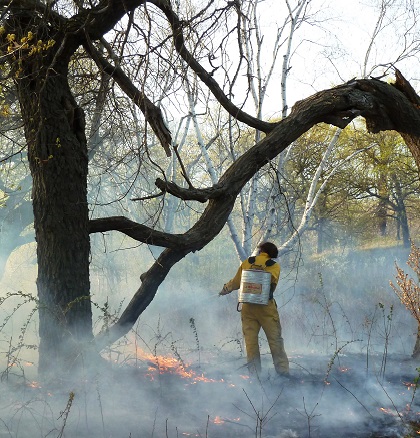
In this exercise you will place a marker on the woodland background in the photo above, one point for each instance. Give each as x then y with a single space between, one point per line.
341 204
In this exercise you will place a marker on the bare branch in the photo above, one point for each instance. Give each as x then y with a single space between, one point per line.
183 170
190 194
151 112
136 231
205 77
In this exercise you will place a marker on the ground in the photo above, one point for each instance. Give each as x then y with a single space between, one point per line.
340 396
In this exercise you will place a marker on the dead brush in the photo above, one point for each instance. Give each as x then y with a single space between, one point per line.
408 291
335 356
237 342
178 357
261 417
16 348
197 341
65 414
387 324
162 342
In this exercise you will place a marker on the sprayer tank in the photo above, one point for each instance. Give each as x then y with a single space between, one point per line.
255 287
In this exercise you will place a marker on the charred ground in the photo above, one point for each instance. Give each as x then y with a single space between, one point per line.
347 395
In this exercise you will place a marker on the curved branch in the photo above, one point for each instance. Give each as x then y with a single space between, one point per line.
206 78
151 112
136 231
93 23
100 19
190 194
382 105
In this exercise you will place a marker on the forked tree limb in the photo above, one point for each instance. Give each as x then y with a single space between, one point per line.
384 107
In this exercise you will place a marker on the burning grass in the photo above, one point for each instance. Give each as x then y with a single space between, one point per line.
172 395
160 364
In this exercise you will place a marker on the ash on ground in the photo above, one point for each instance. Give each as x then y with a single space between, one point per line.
340 396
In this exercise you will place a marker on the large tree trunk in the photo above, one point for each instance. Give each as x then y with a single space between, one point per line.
57 150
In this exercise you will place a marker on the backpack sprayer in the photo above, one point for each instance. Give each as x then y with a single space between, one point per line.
255 287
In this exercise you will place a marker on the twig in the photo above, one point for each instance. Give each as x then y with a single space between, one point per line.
309 416
183 171
358 401
390 399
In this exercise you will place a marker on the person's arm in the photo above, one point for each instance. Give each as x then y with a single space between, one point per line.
233 284
275 275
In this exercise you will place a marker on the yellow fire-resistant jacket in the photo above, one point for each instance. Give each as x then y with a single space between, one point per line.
258 263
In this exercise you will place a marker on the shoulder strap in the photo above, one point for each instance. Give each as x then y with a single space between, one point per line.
268 263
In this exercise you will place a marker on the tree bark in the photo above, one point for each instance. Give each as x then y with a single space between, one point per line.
402 214
403 221
57 152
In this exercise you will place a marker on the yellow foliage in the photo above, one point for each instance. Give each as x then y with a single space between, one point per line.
40 46
26 43
27 38
5 110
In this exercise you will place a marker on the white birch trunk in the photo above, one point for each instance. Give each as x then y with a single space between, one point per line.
294 17
314 193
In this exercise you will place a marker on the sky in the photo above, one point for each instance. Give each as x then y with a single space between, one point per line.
332 50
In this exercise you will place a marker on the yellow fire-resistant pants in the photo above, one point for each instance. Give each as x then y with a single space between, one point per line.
255 316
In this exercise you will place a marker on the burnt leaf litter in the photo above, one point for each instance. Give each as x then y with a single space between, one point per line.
353 397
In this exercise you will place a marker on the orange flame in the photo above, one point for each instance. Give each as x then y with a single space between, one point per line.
388 411
410 385
159 364
220 420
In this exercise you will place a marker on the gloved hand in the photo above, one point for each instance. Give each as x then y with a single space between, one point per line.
224 291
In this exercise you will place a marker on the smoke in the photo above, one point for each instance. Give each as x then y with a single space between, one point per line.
348 339
126 400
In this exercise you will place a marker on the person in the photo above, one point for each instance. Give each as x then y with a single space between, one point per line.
255 316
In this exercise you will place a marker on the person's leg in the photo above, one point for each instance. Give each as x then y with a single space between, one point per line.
270 322
250 330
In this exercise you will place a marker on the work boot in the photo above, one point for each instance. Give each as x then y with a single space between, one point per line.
254 367
285 378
